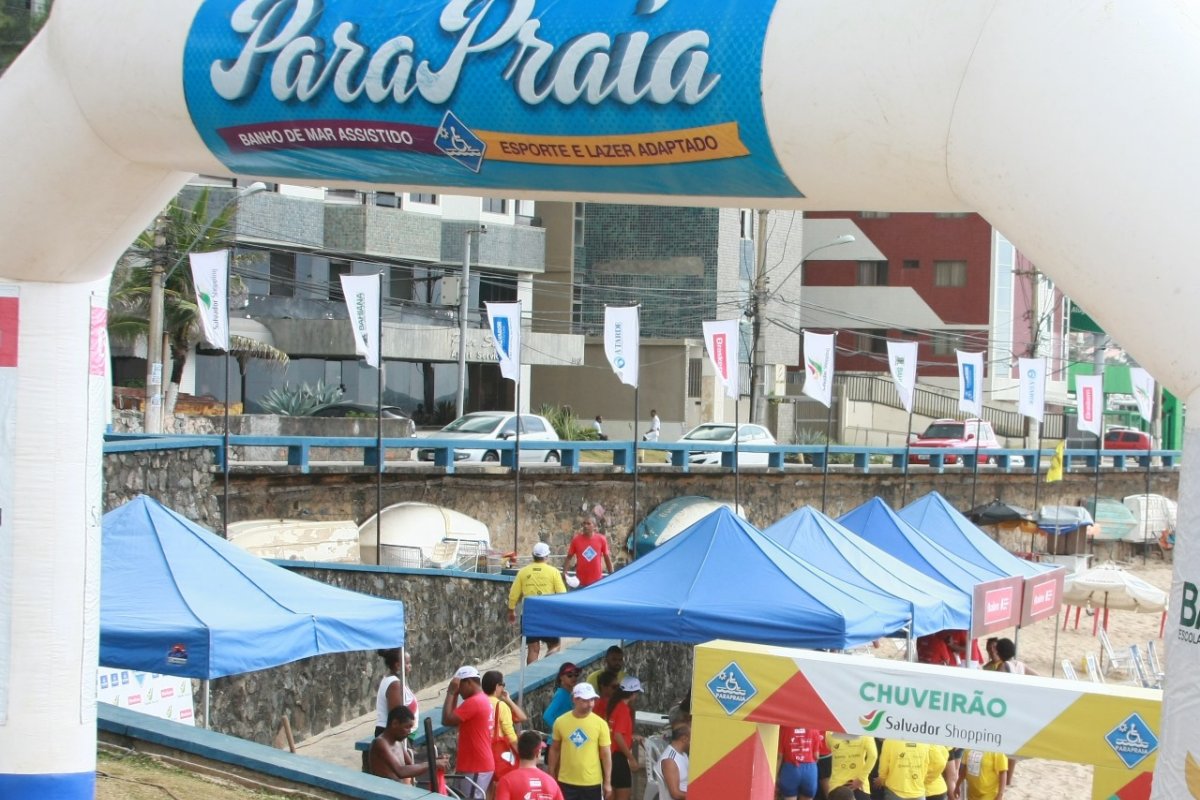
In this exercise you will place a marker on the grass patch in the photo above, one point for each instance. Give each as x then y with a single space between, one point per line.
133 776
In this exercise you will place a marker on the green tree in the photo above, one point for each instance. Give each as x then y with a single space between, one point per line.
179 231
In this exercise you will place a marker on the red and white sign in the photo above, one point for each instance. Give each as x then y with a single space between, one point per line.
996 605
1089 400
721 340
1043 596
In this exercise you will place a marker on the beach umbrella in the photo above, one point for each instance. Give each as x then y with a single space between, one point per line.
1110 587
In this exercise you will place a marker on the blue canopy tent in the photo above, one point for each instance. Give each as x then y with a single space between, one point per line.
934 517
876 522
720 579
179 600
814 537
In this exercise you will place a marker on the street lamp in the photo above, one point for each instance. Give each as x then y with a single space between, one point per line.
464 301
758 309
155 347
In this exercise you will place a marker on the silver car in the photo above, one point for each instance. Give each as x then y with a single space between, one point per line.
499 426
722 433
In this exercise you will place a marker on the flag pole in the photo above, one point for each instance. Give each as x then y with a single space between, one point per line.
1037 491
225 437
828 436
379 433
978 437
737 479
907 450
517 460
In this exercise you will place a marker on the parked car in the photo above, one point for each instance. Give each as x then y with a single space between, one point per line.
364 410
954 433
1126 439
500 426
722 433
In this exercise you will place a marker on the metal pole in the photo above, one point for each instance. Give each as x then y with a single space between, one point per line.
975 479
517 462
828 436
207 704
1037 492
1096 489
636 457
464 301
225 437
152 409
524 658
758 353
379 435
737 479
907 449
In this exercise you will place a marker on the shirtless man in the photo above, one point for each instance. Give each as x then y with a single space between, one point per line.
390 756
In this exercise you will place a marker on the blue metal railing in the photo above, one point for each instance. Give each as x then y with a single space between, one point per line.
299 450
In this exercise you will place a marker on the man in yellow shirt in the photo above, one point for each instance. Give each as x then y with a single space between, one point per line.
984 773
581 750
902 769
534 579
853 759
935 778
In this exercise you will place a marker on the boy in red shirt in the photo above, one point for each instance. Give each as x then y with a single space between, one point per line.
587 549
527 782
475 718
799 749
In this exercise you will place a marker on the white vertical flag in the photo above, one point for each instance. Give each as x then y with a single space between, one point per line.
1143 392
362 300
721 340
210 276
1089 402
1032 399
621 334
505 319
818 367
970 382
902 360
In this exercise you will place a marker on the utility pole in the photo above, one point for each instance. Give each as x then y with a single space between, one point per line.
464 302
152 409
758 352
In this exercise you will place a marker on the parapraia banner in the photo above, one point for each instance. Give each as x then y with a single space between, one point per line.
630 96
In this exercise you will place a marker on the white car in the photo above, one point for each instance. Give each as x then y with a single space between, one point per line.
497 425
722 433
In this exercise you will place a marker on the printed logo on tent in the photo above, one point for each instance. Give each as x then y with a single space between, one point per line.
1132 741
589 554
178 654
578 737
458 141
732 688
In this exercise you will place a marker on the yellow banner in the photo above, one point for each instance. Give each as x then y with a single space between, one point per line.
711 143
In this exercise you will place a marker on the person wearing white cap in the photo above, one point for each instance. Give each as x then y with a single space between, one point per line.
618 713
534 579
581 750
475 718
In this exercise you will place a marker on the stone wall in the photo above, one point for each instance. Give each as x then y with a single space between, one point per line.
182 480
450 621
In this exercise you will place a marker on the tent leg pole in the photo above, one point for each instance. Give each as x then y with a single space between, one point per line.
1054 658
207 704
524 658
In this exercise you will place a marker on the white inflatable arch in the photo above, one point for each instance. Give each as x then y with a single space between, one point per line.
1070 125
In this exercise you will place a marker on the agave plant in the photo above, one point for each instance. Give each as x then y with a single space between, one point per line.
302 401
568 426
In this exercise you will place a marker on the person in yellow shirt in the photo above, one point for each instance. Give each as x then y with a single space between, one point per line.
535 579
985 774
935 778
853 759
902 769
581 749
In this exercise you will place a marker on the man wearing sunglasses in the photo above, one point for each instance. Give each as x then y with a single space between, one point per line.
562 702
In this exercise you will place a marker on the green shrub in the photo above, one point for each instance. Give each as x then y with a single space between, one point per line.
302 401
569 427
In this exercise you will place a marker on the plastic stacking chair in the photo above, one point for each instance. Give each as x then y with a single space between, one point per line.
1121 662
1095 675
1155 665
445 554
1069 670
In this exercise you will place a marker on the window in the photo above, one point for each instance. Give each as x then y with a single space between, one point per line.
495 205
578 224
873 341
872 273
694 376
387 199
427 199
912 263
944 344
950 273
283 275
746 223
951 215
343 196
531 424
874 214
336 270
400 283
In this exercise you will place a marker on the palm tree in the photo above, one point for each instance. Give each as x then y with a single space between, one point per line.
180 231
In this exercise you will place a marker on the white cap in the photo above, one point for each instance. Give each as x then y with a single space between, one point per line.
630 684
584 691
541 550
466 673
572 581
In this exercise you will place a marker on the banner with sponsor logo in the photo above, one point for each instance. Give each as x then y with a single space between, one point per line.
10 327
970 383
362 293
210 277
721 339
633 96
996 605
505 320
818 366
1042 596
162 696
621 341
1031 399
902 361
1089 403
738 690
1143 392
